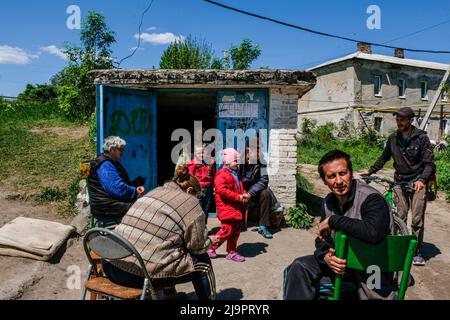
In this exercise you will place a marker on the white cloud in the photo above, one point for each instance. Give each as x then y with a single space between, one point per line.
54 51
14 55
151 29
159 38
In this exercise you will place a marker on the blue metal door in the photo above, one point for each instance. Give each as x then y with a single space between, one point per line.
131 115
242 109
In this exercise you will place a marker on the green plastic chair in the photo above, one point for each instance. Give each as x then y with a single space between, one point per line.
393 254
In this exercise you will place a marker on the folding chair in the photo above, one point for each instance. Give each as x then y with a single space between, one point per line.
110 246
393 254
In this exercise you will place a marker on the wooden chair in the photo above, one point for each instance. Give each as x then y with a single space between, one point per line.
100 243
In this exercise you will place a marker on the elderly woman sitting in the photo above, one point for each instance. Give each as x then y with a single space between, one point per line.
112 191
167 227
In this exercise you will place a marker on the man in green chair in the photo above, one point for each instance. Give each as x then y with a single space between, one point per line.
356 209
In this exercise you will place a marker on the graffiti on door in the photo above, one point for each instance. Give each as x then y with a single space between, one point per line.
138 123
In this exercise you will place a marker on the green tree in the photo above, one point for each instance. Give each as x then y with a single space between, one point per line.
38 93
243 55
190 53
76 88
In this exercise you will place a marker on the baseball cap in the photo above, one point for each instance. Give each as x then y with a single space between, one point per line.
405 112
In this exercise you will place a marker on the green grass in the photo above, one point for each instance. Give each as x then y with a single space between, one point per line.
38 160
443 171
364 149
362 157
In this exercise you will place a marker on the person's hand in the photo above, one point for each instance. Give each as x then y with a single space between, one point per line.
247 197
365 172
215 240
140 190
243 198
419 185
322 228
336 265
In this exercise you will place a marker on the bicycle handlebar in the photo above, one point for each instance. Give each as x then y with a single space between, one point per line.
391 183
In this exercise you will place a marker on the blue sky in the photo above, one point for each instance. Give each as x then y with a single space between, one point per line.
31 32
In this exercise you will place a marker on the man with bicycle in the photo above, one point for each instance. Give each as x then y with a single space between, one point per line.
412 152
358 210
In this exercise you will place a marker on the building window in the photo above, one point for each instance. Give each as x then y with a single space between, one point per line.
378 123
424 90
402 88
377 86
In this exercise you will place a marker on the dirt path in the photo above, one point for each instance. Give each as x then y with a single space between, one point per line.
260 277
19 271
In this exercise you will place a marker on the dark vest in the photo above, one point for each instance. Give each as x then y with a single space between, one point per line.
354 212
102 203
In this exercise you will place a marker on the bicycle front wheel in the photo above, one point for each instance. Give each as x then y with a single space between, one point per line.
400 227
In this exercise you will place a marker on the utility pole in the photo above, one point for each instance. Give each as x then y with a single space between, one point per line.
435 100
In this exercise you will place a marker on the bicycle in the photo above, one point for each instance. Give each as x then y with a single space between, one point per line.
400 227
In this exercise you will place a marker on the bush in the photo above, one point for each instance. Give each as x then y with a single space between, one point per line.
17 113
442 159
365 146
69 102
38 93
299 218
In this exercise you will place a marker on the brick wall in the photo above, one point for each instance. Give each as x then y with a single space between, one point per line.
283 144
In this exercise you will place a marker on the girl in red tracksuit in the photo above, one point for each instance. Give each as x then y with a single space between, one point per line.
204 171
230 201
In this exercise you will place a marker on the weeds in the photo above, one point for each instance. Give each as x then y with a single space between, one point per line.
299 217
53 194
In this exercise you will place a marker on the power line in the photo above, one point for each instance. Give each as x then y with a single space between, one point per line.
419 31
139 35
320 32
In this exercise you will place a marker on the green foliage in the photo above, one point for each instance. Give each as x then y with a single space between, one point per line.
69 102
299 218
244 54
52 194
325 133
191 53
364 146
302 183
76 88
38 93
72 194
19 112
3 104
442 159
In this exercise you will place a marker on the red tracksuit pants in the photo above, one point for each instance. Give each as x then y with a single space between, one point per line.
230 231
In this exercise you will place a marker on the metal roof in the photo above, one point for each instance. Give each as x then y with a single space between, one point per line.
386 59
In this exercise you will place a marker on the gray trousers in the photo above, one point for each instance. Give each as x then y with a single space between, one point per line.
417 202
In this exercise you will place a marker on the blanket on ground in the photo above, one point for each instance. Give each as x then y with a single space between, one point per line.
32 238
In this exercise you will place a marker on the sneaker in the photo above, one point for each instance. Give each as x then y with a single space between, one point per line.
418 261
235 257
212 253
262 230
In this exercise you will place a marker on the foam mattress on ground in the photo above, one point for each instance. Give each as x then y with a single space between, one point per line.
32 238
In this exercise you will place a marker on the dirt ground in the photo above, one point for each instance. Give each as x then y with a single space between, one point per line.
260 277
